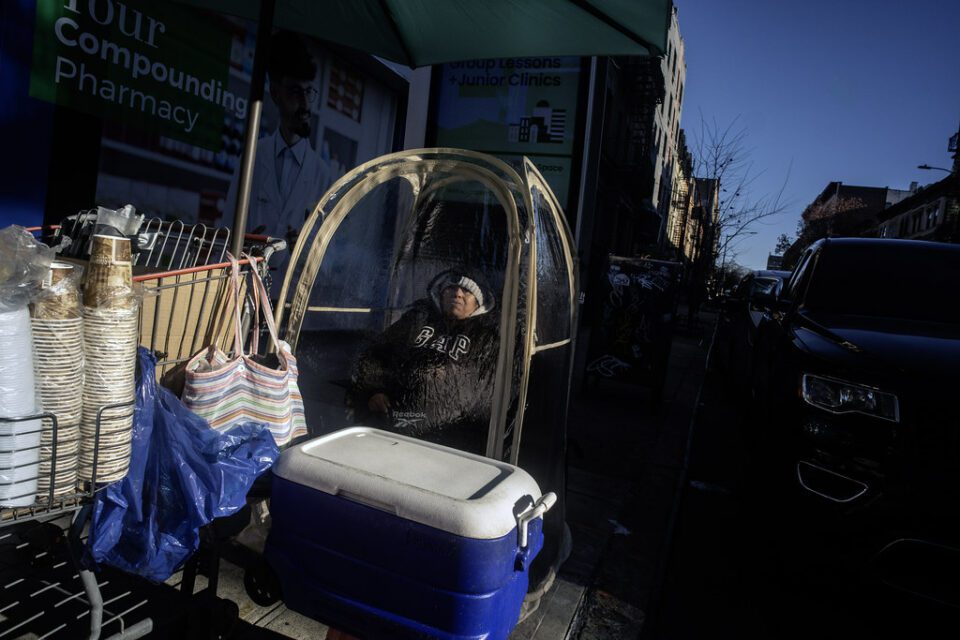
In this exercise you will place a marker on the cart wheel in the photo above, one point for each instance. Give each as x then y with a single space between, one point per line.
261 583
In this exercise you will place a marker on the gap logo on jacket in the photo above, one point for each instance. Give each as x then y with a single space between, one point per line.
454 346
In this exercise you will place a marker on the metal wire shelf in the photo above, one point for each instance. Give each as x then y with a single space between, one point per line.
51 502
185 278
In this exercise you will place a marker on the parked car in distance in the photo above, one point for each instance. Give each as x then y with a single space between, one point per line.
857 369
732 349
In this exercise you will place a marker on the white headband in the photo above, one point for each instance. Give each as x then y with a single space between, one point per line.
467 284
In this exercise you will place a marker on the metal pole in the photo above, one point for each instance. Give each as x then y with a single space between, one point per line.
723 269
255 108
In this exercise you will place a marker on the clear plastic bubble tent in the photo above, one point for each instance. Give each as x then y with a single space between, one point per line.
370 261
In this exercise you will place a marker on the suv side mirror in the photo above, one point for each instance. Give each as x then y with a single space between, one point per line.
769 301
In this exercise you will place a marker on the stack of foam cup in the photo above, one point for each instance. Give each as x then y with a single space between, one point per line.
58 342
110 336
19 441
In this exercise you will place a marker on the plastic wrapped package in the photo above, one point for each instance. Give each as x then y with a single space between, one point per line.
124 221
59 295
20 440
182 475
57 322
23 265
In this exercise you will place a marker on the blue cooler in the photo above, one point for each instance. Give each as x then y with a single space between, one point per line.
385 536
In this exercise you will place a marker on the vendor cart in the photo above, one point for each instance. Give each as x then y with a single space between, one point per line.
44 588
368 255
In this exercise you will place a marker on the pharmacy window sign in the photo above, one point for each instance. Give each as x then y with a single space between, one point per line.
158 66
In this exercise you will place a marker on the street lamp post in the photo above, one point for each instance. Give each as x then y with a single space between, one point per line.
929 168
723 268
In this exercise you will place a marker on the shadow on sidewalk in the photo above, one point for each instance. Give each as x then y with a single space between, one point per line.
625 462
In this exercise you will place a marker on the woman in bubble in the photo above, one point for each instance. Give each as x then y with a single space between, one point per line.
431 373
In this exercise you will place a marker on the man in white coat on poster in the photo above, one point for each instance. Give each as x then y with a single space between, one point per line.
289 176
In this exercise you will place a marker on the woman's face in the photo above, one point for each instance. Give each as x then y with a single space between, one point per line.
458 303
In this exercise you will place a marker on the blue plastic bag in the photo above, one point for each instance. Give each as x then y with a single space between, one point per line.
183 474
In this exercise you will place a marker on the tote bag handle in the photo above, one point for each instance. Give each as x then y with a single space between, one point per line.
261 303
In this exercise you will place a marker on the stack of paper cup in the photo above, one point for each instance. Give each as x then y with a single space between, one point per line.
19 441
108 283
110 336
58 363
60 298
110 357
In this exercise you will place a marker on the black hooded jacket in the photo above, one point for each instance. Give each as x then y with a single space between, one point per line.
437 372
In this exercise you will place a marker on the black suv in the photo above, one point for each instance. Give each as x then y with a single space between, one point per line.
857 372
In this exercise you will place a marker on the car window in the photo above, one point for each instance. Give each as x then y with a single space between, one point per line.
803 283
908 281
793 285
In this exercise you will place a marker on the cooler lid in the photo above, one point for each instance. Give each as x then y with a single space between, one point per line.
450 490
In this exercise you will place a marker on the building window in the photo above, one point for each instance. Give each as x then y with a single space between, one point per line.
917 221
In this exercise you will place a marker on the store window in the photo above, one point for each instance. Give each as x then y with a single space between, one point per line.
162 101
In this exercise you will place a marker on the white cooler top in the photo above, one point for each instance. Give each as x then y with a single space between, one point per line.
450 490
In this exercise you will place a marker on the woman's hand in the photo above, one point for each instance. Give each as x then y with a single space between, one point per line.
379 403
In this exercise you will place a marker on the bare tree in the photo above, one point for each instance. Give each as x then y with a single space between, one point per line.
721 153
783 243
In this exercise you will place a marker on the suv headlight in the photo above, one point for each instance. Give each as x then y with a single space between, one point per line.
840 396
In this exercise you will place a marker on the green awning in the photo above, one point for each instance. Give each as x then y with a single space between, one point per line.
419 33
425 32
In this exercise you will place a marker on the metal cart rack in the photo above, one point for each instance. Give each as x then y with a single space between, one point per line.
44 590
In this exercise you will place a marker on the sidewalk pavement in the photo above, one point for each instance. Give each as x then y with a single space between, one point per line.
625 469
620 449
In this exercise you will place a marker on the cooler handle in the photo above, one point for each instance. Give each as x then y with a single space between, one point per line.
533 512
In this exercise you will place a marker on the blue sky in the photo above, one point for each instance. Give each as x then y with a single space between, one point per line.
852 90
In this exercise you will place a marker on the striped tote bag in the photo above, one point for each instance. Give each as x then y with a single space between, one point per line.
229 389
